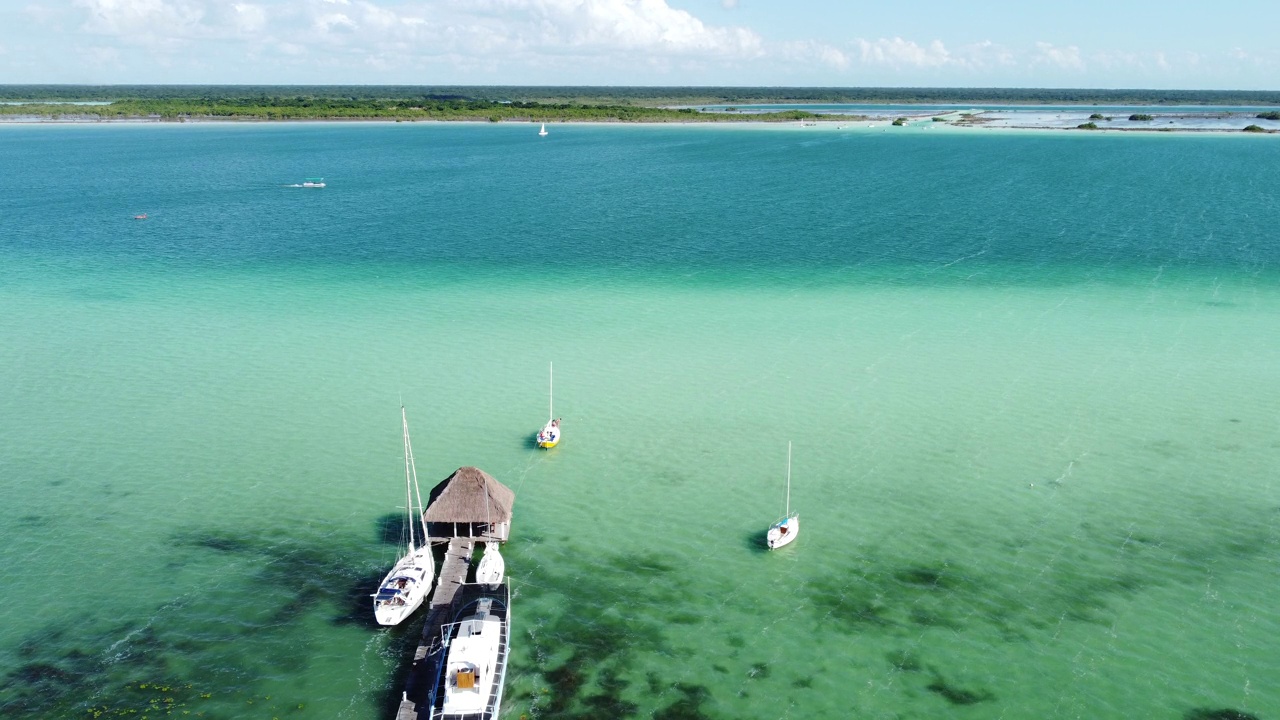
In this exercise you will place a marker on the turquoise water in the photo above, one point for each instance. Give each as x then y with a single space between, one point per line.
1030 379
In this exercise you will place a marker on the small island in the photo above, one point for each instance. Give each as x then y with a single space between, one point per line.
1141 117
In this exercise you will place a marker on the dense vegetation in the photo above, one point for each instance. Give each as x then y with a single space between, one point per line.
305 107
1270 115
643 96
535 104
1087 126
1255 128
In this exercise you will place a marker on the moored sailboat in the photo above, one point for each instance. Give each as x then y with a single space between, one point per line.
492 567
785 529
405 587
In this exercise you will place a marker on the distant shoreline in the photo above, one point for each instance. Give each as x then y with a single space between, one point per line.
1174 110
651 96
913 124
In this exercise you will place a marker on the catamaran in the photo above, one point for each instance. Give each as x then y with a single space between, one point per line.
550 433
472 675
784 530
406 586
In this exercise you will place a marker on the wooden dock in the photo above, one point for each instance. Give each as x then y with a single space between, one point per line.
426 659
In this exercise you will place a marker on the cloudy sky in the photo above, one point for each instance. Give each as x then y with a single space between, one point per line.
981 43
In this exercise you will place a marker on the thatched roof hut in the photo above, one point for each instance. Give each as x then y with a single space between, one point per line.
469 503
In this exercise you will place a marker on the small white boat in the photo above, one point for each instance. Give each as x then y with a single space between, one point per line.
549 435
491 568
786 529
543 131
469 686
313 183
405 587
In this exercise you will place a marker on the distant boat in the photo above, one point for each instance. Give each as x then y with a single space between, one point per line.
406 586
313 182
143 216
786 529
492 567
474 671
543 131
550 433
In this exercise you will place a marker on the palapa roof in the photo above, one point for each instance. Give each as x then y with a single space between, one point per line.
470 495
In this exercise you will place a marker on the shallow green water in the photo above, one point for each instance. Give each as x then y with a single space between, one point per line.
1030 380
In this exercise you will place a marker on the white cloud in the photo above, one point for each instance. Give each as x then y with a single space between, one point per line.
807 52
729 4
326 23
1066 58
156 18
898 52
249 19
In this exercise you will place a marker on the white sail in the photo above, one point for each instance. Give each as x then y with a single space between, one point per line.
788 527
550 434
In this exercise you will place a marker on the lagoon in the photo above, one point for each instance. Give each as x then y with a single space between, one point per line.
1029 377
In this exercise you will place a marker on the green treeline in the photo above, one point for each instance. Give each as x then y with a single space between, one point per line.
309 107
639 96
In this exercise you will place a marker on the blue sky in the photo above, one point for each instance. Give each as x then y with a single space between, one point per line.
1083 43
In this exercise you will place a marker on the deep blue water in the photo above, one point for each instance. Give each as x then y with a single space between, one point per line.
638 197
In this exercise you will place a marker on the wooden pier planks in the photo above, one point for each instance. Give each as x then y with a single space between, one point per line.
453 573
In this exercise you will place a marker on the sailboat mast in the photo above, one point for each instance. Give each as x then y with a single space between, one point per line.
551 391
788 478
408 489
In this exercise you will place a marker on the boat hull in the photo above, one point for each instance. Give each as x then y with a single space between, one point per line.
783 532
549 436
396 600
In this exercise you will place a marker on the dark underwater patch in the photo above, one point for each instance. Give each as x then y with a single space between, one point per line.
648 564
392 529
200 665
957 695
905 661
929 578
688 707
222 542
35 521
1225 714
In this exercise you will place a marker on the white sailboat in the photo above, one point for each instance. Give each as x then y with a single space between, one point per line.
474 671
784 530
406 586
492 567
543 131
549 435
